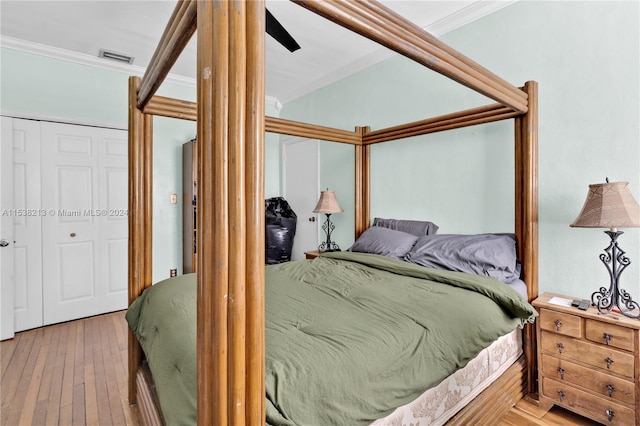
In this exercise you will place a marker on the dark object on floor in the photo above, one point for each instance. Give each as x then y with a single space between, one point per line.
280 229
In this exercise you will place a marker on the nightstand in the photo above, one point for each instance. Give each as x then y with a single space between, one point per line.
312 254
588 362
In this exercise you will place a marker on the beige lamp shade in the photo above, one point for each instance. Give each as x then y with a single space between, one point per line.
327 203
609 205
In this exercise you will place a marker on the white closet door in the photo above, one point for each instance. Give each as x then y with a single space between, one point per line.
6 230
114 182
68 217
70 232
27 303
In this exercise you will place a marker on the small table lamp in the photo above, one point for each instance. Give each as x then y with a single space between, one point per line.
611 205
328 204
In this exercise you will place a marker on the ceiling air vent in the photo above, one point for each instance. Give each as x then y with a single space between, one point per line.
115 56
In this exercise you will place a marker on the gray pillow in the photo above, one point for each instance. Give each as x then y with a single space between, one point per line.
384 241
492 255
415 227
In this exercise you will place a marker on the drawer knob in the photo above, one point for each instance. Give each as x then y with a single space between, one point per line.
560 347
607 338
561 371
558 324
561 395
610 389
609 361
609 413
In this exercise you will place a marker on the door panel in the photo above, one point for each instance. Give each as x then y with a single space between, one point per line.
74 188
76 271
6 231
116 268
113 199
301 191
21 288
71 230
27 303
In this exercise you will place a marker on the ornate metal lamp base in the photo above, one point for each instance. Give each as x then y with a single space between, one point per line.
328 245
615 261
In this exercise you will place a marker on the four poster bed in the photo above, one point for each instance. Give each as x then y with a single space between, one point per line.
230 287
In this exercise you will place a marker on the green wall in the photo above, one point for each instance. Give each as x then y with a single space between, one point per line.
34 85
585 57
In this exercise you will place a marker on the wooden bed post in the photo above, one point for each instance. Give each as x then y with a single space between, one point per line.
526 213
140 212
230 282
147 172
255 130
362 201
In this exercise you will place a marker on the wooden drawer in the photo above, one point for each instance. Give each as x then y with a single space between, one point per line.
589 405
558 322
619 337
568 348
600 383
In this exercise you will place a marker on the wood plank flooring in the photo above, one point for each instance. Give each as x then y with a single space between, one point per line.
75 373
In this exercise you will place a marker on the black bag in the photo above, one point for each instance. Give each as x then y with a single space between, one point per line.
280 228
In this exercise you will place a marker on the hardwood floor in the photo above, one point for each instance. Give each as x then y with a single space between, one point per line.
75 373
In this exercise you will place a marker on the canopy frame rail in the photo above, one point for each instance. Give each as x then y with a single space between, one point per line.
387 28
181 27
456 120
185 110
312 131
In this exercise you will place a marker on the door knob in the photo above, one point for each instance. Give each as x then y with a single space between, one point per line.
312 219
4 243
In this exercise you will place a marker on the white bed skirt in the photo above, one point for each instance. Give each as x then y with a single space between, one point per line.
438 404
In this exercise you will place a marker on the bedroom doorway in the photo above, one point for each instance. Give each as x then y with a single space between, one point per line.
300 159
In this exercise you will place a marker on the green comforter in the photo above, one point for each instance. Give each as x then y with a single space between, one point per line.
349 336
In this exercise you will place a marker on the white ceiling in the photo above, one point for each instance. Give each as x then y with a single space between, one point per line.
328 53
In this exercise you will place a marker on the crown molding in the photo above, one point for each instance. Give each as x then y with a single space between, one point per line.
96 62
84 59
466 15
64 120
273 101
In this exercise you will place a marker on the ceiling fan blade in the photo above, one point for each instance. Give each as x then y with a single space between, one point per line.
277 31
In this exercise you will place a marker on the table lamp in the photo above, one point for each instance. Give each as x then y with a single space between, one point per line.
611 205
328 204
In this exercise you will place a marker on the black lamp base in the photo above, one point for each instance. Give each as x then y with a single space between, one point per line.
606 300
328 245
